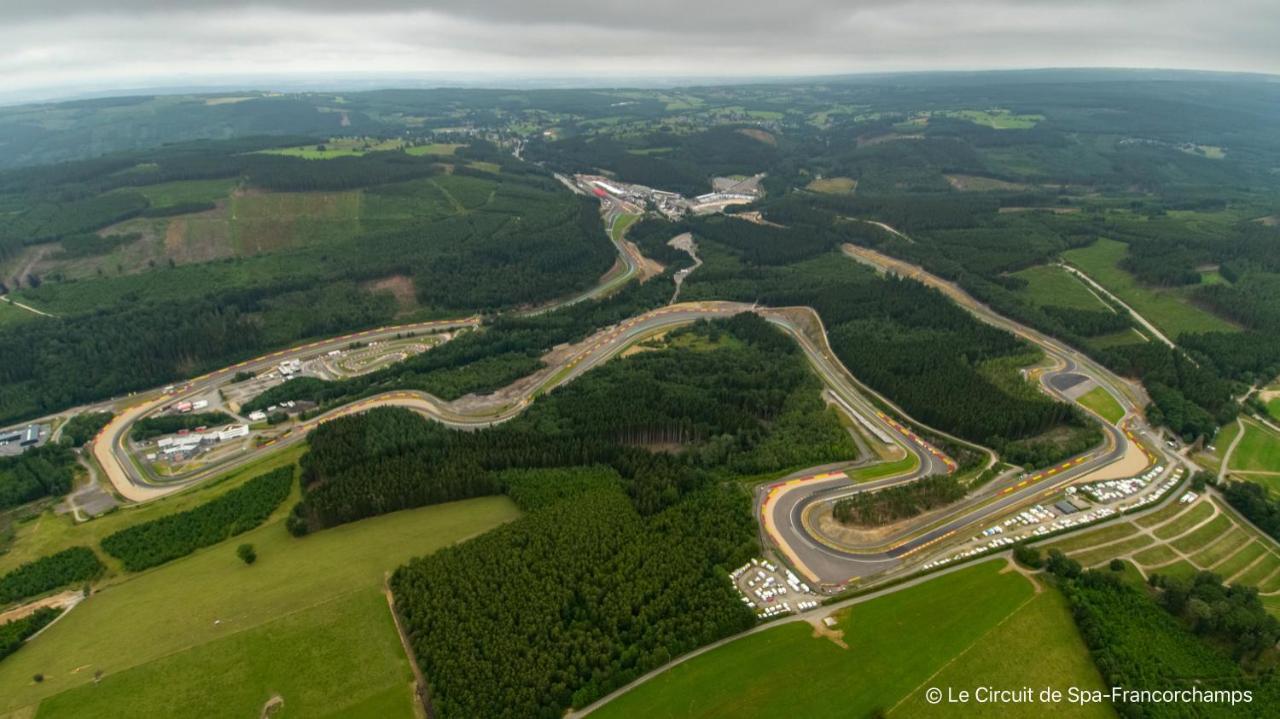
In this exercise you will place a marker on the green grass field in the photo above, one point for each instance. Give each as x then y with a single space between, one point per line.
10 315
885 469
1049 285
1221 548
1117 339
1104 554
1042 629
1224 545
1155 556
896 644
337 147
1078 542
177 193
1203 535
1263 573
834 185
186 611
1185 521
1273 409
996 118
1258 450
340 657
1239 561
1165 513
1166 309
1181 569
1100 401
435 148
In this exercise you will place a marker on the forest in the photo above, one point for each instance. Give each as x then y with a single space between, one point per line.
84 427
573 600
70 566
149 427
743 407
152 543
886 506
1230 616
966 239
914 345
45 471
1256 504
1137 644
494 242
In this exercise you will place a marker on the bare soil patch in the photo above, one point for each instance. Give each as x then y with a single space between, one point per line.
760 135
755 217
821 630
974 183
890 137
63 599
400 286
272 707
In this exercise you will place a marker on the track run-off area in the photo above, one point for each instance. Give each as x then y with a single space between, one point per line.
786 508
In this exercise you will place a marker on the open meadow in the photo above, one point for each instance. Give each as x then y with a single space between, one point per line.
210 610
1168 310
893 648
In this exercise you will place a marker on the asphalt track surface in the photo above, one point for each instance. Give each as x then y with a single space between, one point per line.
783 507
133 482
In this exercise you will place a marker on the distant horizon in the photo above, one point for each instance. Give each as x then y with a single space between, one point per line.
170 85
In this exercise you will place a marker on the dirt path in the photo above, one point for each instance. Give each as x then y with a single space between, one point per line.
421 707
890 229
686 244
28 308
37 254
1226 456
66 600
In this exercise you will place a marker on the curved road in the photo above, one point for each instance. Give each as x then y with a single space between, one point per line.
134 483
787 507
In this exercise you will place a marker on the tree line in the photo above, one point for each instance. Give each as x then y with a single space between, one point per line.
1256 504
1231 616
70 566
13 634
149 544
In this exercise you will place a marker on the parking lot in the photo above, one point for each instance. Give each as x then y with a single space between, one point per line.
771 590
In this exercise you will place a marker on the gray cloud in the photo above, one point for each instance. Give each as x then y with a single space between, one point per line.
89 43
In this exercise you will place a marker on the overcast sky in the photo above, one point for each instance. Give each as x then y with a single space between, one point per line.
105 44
